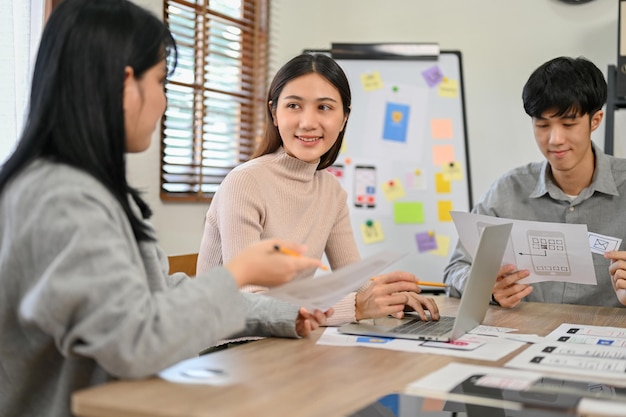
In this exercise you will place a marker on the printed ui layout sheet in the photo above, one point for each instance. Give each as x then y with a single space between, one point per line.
549 251
595 351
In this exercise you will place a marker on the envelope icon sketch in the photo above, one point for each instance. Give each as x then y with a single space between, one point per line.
601 244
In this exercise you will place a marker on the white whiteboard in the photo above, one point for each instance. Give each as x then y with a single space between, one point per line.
407 122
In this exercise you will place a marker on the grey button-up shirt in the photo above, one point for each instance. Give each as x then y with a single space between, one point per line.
530 193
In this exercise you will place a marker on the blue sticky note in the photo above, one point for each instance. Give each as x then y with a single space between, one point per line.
396 122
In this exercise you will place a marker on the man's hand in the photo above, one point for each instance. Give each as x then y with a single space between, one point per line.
617 270
507 291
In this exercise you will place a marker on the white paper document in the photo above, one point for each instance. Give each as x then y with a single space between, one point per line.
470 346
606 362
589 335
198 370
549 251
324 291
530 391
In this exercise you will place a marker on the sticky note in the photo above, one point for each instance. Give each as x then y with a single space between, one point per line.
393 189
443 246
408 212
443 208
443 154
448 88
442 185
426 241
396 122
432 76
371 81
452 171
337 171
441 128
415 179
372 232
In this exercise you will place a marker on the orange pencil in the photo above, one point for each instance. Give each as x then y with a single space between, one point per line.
294 253
432 284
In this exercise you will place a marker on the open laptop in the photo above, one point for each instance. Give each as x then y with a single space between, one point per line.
473 305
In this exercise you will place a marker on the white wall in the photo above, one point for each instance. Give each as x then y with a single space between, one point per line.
502 42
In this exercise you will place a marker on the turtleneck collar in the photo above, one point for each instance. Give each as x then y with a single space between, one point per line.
292 168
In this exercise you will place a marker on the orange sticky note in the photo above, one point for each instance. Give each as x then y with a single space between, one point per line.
441 128
443 208
442 185
443 154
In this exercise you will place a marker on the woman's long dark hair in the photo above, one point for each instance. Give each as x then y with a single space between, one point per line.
76 112
296 67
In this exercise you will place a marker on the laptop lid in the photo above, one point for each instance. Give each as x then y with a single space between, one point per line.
473 305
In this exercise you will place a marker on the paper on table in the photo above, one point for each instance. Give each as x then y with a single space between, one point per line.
474 383
590 335
198 370
482 347
324 291
597 361
549 251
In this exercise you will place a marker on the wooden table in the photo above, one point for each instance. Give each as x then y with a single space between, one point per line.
297 378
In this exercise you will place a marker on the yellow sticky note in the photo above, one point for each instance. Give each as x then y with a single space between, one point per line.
344 147
453 171
443 208
408 212
393 189
448 88
443 154
371 81
442 185
441 129
443 246
372 232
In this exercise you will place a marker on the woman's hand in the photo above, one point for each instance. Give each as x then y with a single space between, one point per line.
388 294
307 322
261 264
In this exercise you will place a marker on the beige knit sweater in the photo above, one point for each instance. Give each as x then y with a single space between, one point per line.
279 196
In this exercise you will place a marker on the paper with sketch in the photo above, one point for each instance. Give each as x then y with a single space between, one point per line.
522 391
595 361
323 292
549 251
601 243
589 335
481 347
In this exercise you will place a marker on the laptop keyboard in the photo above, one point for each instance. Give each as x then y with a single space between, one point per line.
434 328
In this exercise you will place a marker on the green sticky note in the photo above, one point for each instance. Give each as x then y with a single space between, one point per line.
408 213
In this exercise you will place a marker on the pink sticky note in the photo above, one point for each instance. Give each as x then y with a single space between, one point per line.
441 129
443 154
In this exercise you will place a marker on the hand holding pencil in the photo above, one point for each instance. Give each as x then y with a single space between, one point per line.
258 264
292 252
